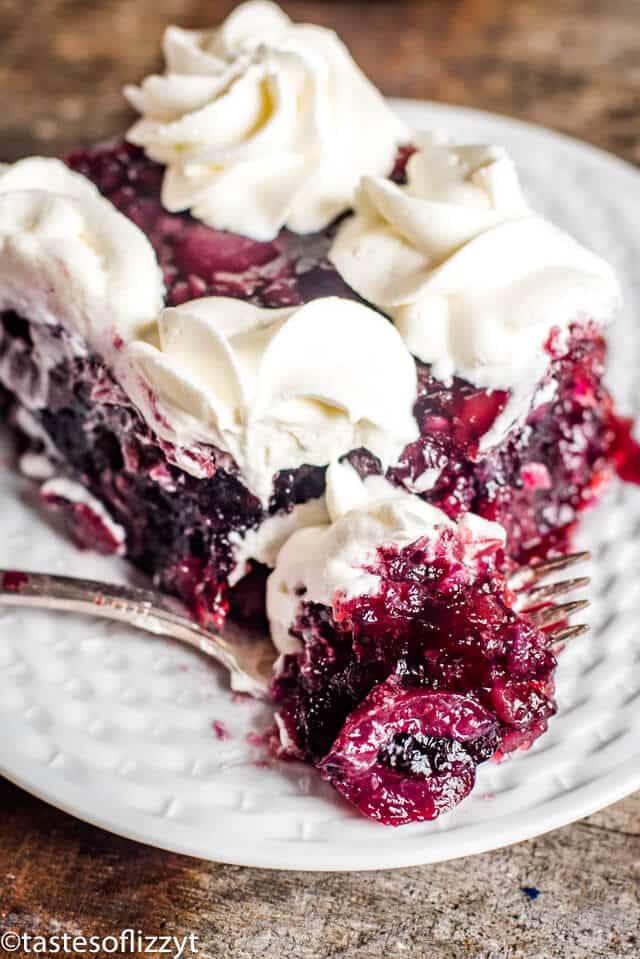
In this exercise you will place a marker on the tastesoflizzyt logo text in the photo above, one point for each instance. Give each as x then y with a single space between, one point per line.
129 942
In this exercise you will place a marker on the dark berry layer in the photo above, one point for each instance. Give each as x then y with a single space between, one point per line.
177 527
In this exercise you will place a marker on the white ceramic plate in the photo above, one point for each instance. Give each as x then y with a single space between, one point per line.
120 729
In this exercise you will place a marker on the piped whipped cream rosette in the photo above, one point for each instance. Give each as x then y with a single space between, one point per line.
262 123
473 279
275 389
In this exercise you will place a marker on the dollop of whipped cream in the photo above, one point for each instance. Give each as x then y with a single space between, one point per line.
262 123
321 564
276 389
474 280
68 256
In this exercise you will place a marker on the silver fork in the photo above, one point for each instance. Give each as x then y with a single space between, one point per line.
249 655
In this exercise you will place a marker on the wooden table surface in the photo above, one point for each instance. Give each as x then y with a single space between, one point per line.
571 64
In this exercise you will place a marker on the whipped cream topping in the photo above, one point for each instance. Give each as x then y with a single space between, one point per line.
68 256
473 279
330 561
276 389
264 542
262 123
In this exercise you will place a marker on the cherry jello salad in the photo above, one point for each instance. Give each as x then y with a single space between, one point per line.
312 369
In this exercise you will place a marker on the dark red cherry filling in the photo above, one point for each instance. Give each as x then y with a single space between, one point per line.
538 477
86 524
402 755
397 697
200 261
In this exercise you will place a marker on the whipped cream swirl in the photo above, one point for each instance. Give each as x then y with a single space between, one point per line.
276 389
262 123
68 256
473 279
324 563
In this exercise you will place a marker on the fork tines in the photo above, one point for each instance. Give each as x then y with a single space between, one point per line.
538 571
536 598
550 615
569 632
552 590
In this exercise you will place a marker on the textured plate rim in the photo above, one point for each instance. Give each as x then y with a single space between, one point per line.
278 854
463 841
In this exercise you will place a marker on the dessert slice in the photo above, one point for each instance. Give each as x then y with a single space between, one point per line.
158 434
195 439
404 665
271 274
186 509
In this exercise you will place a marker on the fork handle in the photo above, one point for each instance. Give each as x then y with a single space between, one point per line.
144 609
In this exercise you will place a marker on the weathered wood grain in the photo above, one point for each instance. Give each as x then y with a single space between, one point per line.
56 872
570 64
